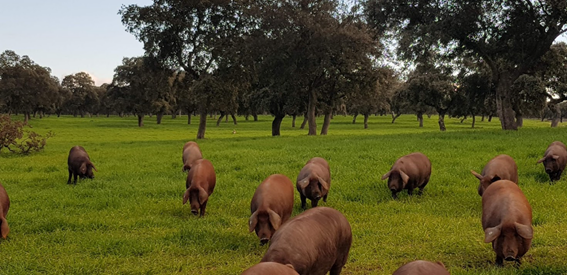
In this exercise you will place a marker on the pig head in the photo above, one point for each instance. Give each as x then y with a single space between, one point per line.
197 198
270 268
265 223
200 184
554 160
314 181
510 241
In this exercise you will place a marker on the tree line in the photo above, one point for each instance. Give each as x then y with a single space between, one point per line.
305 58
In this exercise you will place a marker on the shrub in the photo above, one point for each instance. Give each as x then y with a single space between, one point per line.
17 139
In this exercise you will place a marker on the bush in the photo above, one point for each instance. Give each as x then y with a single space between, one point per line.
17 139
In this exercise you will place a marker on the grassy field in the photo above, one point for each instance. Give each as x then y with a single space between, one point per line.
130 218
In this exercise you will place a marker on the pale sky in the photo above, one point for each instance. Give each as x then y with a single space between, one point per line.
70 36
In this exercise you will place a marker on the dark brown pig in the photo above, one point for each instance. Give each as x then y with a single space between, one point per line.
409 172
79 164
314 242
4 206
270 268
271 206
422 268
501 167
507 221
200 184
314 181
191 153
554 160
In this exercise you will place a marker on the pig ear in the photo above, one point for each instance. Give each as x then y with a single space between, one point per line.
477 175
541 160
491 233
303 183
83 168
4 228
253 221
290 266
275 219
185 167
555 157
441 264
525 231
324 184
495 179
92 165
203 196
186 196
387 175
405 177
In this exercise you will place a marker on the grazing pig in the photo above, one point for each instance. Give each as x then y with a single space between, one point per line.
554 160
191 153
501 167
270 268
271 206
314 242
422 268
507 221
4 206
79 164
314 181
409 172
200 184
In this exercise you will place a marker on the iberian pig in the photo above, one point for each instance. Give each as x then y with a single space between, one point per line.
501 167
191 153
271 206
422 268
200 184
314 242
314 181
507 221
409 172
4 206
554 160
270 268
79 164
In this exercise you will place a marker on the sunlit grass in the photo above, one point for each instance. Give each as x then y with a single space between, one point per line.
130 218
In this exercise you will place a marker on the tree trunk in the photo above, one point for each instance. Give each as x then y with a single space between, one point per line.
482 119
394 116
504 103
366 121
107 114
34 114
276 124
220 118
490 118
311 118
354 118
26 117
304 121
233 118
202 125
159 116
326 123
519 120
140 120
173 115
293 120
255 117
556 116
463 119
246 117
226 118
442 121
473 120
420 119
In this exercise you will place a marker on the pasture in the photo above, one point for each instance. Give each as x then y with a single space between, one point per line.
130 218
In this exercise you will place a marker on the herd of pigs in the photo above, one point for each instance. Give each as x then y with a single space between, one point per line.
318 240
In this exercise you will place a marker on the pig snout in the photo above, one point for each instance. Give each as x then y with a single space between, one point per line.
194 211
264 241
510 258
548 170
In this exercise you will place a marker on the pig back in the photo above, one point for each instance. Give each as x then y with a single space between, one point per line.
503 202
191 152
558 148
312 242
270 268
202 175
77 155
275 193
4 201
416 165
421 268
502 166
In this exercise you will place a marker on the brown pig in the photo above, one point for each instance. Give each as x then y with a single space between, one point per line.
200 184
191 153
79 164
271 206
507 221
314 242
409 172
4 206
554 160
314 181
270 268
501 167
422 268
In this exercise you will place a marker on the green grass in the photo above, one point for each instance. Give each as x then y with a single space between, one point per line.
130 218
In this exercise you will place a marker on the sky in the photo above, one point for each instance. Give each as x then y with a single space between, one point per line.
71 36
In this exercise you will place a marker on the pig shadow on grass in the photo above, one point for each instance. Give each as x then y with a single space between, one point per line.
539 177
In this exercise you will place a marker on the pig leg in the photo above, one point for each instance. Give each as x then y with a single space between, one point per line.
70 174
423 186
336 270
499 261
325 198
75 178
302 201
394 196
410 191
314 203
203 206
